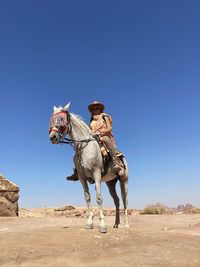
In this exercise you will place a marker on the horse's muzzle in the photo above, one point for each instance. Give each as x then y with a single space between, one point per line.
54 139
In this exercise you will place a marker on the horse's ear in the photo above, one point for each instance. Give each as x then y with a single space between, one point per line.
54 108
65 108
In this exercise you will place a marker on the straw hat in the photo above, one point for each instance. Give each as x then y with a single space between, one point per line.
95 104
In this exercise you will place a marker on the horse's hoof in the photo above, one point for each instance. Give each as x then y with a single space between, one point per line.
89 226
115 226
102 229
127 225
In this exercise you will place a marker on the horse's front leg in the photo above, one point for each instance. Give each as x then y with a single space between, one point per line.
89 224
99 199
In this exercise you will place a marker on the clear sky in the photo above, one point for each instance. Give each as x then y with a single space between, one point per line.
140 58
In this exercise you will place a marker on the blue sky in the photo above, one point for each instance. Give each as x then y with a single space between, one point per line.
140 58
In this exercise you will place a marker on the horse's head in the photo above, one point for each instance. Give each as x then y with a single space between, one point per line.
59 124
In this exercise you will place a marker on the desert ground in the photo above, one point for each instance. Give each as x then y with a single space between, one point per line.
39 239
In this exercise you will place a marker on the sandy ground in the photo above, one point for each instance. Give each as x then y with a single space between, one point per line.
151 240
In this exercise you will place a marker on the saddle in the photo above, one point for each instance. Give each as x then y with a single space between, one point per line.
107 158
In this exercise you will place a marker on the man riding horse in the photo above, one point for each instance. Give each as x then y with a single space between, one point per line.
101 127
88 161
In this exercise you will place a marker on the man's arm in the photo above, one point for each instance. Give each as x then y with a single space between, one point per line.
108 126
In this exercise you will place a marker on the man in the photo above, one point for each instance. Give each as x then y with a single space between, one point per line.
101 125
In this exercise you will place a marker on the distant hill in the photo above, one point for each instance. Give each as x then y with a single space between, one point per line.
159 208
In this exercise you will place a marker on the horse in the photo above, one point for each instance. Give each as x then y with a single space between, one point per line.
88 162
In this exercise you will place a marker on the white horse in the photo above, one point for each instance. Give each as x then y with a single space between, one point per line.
88 163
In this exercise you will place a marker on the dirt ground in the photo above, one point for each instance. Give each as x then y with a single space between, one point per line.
151 240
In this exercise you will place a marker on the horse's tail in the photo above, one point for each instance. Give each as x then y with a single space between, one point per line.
124 191
126 168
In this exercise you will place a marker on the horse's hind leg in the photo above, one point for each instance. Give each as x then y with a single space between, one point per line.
124 192
89 224
111 186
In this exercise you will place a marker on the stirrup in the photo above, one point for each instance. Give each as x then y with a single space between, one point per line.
119 154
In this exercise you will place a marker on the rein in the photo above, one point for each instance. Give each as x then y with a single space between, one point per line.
70 141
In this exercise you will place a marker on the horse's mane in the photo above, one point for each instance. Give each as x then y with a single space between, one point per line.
80 120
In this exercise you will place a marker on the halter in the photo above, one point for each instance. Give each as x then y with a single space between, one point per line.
59 122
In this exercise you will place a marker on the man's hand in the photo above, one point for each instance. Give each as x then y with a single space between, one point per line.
96 133
102 134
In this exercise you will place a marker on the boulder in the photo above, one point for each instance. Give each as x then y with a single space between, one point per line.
64 208
9 195
6 208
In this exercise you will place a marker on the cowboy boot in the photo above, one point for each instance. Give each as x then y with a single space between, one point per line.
73 177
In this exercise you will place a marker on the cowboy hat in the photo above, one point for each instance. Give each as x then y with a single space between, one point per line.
94 104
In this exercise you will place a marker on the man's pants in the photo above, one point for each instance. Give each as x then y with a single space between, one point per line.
113 151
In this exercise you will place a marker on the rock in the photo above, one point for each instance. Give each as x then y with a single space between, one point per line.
189 206
188 209
9 195
180 207
6 208
66 207
7 186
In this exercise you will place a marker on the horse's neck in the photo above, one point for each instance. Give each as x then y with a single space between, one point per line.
79 131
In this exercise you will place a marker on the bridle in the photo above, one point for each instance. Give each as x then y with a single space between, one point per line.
60 123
